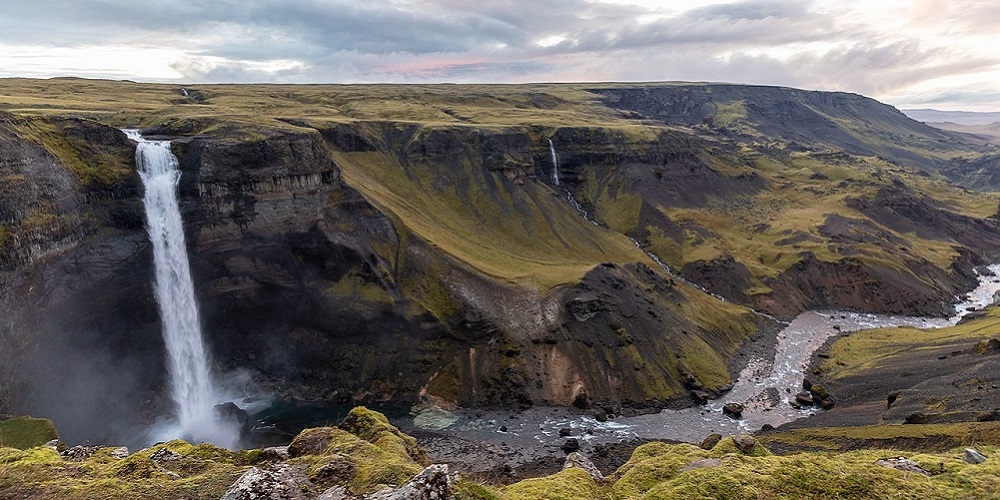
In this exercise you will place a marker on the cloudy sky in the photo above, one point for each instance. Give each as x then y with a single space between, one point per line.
909 53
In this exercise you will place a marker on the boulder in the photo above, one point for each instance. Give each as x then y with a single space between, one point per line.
822 397
709 442
338 469
565 432
903 464
804 399
282 483
699 396
571 445
580 461
734 410
432 483
973 456
313 441
234 415
600 415
987 346
745 444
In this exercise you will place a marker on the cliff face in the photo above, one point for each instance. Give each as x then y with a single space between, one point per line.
359 259
322 295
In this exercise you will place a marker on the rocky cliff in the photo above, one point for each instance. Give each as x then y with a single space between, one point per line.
392 244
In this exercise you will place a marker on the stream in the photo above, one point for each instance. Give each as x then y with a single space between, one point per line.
765 387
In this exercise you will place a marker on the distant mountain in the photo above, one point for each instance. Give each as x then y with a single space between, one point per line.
957 117
981 134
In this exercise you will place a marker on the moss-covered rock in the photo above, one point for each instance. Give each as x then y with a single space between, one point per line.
373 427
26 432
570 484
744 445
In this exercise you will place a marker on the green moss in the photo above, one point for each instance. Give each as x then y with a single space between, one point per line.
378 453
91 164
359 294
656 470
570 484
727 446
373 427
651 464
927 437
470 490
203 472
868 349
26 432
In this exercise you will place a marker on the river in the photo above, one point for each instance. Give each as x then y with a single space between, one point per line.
765 387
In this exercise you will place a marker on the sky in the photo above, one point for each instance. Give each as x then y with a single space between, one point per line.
908 53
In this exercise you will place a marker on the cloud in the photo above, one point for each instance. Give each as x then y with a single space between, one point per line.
853 45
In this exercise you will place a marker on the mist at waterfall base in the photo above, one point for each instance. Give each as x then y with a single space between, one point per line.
193 387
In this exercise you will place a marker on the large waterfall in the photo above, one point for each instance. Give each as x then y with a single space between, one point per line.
191 387
555 163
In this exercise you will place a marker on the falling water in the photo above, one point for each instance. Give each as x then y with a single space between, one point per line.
555 163
191 386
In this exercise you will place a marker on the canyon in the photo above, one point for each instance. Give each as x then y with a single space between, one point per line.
364 244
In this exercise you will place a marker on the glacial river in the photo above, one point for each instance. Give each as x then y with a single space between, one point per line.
765 387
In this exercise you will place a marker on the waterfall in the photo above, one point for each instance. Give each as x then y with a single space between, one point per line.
191 387
555 163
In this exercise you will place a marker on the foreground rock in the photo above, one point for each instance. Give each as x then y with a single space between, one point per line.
433 483
903 464
283 483
580 461
973 456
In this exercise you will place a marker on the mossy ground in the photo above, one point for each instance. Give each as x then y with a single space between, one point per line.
366 453
864 351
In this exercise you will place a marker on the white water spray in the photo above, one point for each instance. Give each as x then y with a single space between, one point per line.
191 386
555 163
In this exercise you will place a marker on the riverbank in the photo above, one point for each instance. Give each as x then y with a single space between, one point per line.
524 443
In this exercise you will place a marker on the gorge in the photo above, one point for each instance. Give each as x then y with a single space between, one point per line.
387 244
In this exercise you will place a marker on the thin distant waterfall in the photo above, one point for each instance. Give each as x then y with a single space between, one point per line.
191 385
555 163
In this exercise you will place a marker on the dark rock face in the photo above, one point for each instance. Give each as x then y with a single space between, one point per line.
74 301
